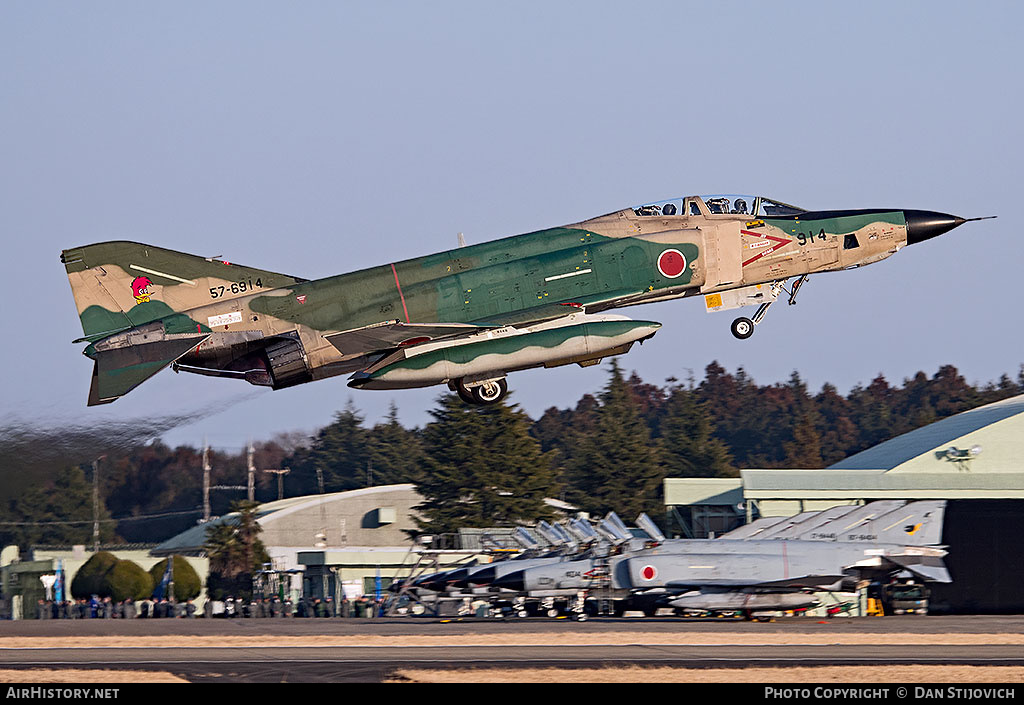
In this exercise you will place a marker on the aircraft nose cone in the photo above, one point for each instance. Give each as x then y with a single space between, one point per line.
510 581
924 225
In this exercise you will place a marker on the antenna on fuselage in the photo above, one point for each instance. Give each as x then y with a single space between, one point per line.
462 240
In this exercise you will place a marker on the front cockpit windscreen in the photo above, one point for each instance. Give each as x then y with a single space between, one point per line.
719 204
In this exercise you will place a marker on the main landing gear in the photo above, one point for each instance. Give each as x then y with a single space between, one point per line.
489 391
743 327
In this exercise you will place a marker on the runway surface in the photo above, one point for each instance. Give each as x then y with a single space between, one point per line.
363 650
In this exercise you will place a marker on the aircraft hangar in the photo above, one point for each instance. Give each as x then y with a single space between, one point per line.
974 459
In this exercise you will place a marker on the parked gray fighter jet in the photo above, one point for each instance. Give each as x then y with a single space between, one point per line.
778 567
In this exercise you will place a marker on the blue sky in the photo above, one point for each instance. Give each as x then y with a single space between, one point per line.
321 137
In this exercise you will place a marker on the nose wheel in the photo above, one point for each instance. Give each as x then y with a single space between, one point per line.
742 328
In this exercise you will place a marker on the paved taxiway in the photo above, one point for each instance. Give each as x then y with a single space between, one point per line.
331 650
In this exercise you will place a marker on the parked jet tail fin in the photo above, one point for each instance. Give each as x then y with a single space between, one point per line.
916 524
752 530
852 524
118 285
119 370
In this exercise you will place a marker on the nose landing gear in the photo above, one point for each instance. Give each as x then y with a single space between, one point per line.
743 328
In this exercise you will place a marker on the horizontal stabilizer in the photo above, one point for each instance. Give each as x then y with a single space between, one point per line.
924 567
118 371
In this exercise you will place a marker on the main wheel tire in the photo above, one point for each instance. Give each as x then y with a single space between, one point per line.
464 394
742 328
490 392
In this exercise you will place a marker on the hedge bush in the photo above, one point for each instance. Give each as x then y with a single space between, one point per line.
127 579
89 580
187 583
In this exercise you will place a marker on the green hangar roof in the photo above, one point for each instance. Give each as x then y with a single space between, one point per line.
976 454
1000 423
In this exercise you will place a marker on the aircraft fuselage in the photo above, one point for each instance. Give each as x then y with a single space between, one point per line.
471 314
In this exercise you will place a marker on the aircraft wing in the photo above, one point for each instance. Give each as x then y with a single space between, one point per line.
389 335
788 584
530 316
392 334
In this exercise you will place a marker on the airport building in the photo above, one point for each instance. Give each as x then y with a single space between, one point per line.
354 541
974 459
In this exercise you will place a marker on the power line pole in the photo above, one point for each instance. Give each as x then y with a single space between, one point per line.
251 482
280 472
321 536
206 481
96 505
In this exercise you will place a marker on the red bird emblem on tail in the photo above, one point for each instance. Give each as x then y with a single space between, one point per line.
140 288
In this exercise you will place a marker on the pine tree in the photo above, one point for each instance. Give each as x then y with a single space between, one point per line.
688 444
615 466
394 454
803 450
340 450
873 412
57 512
481 468
840 434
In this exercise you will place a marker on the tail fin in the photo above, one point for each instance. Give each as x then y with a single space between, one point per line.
851 522
916 524
886 521
120 285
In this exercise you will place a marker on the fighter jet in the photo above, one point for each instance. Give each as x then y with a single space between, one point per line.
576 541
836 550
469 316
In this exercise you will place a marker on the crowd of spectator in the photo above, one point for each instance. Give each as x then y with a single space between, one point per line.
229 608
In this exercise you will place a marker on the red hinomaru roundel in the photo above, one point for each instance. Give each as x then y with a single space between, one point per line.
648 572
671 263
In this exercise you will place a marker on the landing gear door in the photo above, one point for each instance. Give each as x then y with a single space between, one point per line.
723 256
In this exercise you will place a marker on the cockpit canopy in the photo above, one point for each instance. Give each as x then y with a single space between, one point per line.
719 204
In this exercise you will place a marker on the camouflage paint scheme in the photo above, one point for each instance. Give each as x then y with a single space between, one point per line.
144 307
